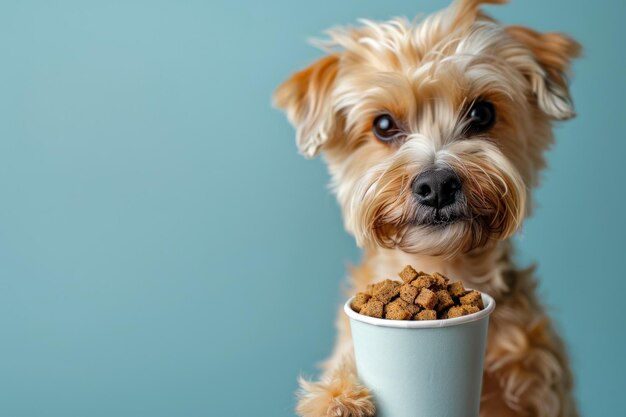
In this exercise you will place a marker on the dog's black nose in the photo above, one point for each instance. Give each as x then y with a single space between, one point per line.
436 188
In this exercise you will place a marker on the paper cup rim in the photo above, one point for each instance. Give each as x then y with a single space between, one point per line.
490 305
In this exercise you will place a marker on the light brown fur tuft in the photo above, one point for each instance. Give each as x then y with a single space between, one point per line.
305 98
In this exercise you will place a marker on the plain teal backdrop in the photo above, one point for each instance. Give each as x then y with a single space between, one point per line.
158 230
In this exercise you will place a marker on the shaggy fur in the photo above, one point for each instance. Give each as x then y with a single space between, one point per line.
427 74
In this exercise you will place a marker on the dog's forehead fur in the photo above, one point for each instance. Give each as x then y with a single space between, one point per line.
405 66
400 45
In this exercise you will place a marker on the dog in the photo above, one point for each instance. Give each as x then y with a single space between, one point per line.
434 133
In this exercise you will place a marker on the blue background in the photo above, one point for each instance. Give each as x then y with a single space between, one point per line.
165 251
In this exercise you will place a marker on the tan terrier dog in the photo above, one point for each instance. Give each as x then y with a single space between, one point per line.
434 133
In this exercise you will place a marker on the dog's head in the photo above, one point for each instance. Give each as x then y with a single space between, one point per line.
433 131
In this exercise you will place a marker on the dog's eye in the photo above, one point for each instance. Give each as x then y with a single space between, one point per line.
481 116
385 128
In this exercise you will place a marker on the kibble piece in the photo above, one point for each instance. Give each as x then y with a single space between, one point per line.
456 311
444 300
423 281
456 289
440 281
372 287
427 299
472 298
426 315
413 309
373 308
410 307
408 293
471 309
397 301
359 301
395 311
408 274
387 291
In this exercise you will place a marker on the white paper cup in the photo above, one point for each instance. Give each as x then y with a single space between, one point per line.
422 368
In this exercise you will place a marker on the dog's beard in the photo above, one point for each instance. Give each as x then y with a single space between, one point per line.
382 210
441 217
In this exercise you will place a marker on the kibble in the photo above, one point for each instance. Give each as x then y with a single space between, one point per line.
426 299
408 293
408 274
419 296
426 315
387 291
373 308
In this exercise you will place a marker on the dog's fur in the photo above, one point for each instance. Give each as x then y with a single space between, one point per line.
426 74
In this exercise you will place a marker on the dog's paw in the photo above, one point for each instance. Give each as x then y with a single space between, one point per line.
337 397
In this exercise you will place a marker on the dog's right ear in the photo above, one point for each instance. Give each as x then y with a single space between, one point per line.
552 55
306 98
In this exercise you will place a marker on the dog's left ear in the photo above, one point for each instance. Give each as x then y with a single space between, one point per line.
552 55
306 98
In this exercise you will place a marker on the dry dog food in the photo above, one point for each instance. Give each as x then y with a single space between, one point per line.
419 296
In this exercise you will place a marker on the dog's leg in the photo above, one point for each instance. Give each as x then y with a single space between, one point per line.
338 393
526 368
